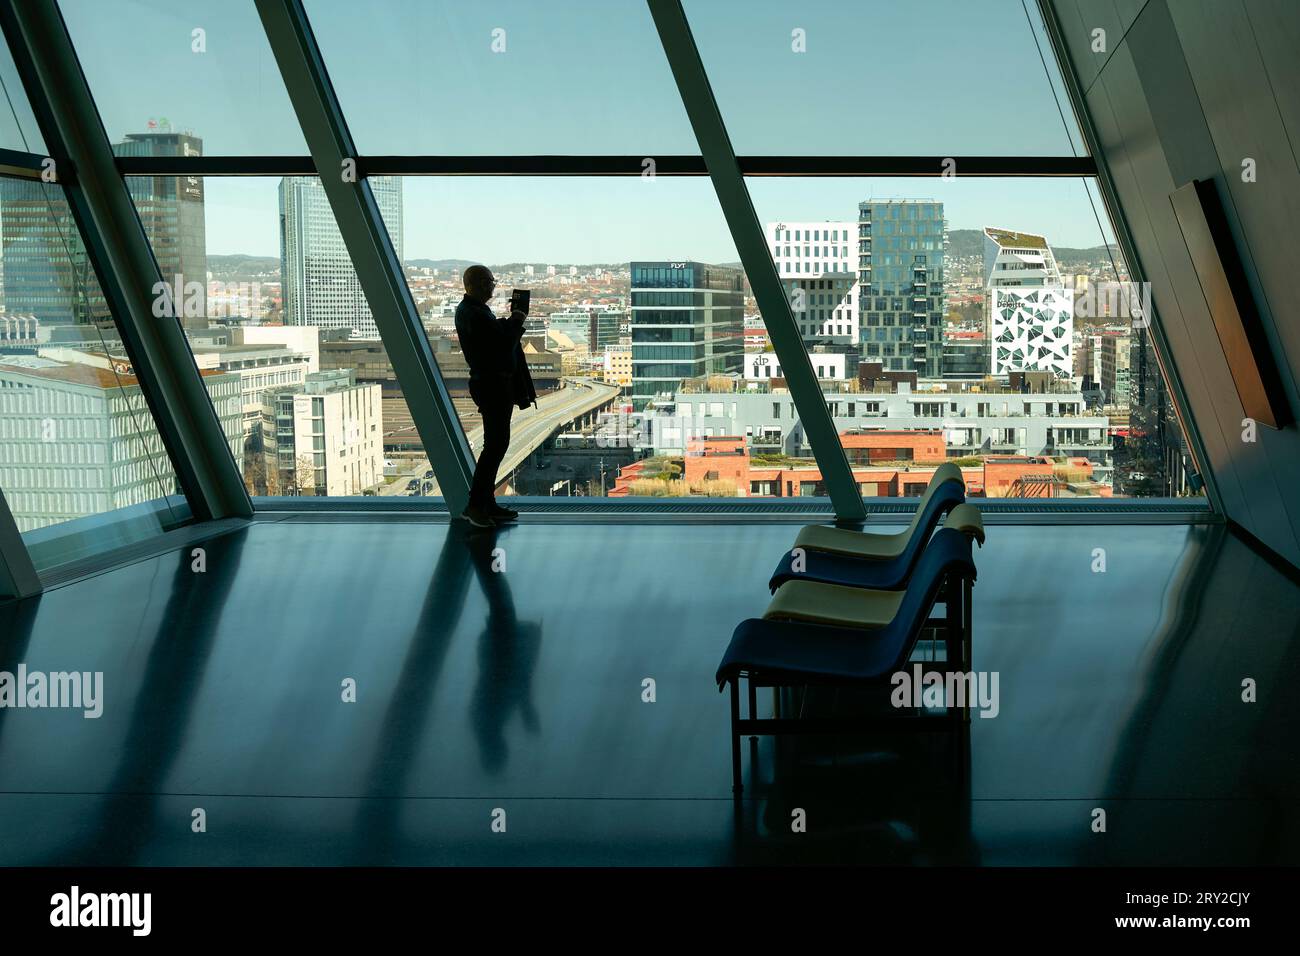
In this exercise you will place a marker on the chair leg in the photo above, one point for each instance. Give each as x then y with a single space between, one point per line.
966 625
753 707
952 631
736 787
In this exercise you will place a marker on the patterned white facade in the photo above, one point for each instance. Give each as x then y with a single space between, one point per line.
1032 330
1029 312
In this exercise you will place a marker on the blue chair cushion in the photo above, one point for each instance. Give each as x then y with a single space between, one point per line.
888 575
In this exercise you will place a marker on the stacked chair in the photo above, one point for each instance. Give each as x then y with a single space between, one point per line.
848 610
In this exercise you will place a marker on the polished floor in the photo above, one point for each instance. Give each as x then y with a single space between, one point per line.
515 696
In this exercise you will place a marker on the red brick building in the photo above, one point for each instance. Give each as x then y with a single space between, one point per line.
726 459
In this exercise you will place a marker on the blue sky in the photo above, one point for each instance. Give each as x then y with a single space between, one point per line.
944 77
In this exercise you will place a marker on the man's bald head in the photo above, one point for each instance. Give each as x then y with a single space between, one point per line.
479 283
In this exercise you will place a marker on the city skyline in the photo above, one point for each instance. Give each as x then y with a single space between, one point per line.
470 218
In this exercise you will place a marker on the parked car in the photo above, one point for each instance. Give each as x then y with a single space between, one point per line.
413 484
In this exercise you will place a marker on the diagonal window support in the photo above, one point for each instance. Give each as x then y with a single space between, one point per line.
123 260
18 578
369 245
737 207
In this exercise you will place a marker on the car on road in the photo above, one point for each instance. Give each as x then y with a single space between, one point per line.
413 484
428 474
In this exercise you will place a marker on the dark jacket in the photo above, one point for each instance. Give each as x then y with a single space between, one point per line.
494 353
523 392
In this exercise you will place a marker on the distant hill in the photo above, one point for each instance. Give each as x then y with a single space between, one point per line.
442 265
1068 256
963 243
233 267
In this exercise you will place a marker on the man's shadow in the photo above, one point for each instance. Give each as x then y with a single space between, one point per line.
507 656
507 651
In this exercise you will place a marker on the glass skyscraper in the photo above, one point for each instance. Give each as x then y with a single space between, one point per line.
320 287
688 321
900 284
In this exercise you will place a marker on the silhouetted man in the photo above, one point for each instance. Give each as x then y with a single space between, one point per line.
493 352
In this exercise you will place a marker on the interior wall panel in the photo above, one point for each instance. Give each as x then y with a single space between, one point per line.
1079 18
1245 120
1140 168
1278 38
1189 91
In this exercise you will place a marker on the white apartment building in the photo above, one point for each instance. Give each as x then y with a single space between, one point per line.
764 366
1030 312
325 437
77 438
817 263
261 368
303 340
973 422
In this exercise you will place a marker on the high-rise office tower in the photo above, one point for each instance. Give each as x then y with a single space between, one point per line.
171 211
319 285
688 321
815 261
1029 312
47 271
901 302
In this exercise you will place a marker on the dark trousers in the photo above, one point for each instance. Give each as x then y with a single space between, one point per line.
496 411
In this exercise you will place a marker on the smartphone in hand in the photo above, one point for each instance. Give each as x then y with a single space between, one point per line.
519 300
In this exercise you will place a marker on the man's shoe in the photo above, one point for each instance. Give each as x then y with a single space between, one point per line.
502 513
479 517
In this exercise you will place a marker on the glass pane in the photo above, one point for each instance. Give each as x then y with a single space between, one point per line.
981 321
502 77
269 297
196 67
620 319
17 124
942 78
81 462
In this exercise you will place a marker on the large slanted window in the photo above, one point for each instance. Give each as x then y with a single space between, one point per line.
82 465
620 320
185 66
923 192
266 293
990 321
502 78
